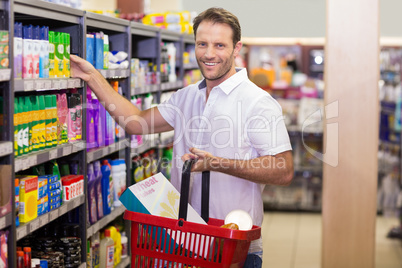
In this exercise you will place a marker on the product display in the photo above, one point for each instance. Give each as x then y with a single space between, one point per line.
48 107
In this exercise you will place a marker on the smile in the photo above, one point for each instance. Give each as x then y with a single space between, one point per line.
210 63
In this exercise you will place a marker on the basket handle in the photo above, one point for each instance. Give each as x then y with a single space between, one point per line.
185 188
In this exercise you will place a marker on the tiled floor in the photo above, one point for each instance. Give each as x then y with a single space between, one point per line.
293 240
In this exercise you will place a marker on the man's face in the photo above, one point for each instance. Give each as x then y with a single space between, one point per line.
215 52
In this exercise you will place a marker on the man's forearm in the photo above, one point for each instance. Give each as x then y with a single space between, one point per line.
121 109
275 170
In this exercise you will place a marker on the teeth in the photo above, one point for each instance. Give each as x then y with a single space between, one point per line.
210 63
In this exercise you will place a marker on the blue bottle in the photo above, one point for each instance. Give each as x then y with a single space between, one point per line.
107 188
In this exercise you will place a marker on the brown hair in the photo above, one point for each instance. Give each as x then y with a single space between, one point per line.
219 15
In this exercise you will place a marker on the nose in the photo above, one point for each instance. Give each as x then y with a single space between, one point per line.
209 52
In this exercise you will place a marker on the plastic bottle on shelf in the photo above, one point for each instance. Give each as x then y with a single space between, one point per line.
124 245
171 51
17 201
35 51
27 257
116 174
95 247
91 195
98 188
20 259
106 251
18 50
107 188
27 52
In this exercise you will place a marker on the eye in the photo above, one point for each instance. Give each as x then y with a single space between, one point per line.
220 46
201 44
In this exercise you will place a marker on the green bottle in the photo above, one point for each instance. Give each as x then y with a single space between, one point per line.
21 126
16 125
51 54
35 123
66 68
27 125
48 121
58 54
54 120
42 123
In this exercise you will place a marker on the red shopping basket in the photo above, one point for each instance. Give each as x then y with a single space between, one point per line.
163 242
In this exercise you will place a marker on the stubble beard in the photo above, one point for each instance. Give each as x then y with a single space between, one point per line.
225 69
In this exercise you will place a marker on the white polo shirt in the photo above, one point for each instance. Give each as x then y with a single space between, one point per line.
239 121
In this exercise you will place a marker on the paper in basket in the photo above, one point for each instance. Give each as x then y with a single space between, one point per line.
157 196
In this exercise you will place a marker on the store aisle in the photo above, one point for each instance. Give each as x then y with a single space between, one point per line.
293 240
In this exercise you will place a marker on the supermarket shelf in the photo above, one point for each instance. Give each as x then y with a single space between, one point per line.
167 35
106 22
36 158
5 74
48 10
188 38
144 30
6 148
125 262
21 85
105 221
146 89
105 151
27 228
171 85
6 220
115 73
143 148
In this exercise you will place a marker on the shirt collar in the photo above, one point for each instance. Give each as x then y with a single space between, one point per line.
229 84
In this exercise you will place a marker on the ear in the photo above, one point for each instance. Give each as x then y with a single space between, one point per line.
237 48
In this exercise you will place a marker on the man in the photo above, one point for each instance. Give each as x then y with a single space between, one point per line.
233 128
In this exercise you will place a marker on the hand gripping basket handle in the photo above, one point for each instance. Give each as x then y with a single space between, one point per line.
185 188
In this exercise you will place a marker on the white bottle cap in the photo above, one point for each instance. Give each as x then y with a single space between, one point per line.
241 218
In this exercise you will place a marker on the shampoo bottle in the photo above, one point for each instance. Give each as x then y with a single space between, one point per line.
107 188
98 188
27 52
18 50
106 251
35 52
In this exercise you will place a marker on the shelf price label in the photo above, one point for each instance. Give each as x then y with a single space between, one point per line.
63 210
67 150
77 201
54 215
47 84
21 232
63 83
33 160
77 82
90 157
70 83
56 84
95 227
2 222
28 85
5 74
34 225
112 73
43 220
53 154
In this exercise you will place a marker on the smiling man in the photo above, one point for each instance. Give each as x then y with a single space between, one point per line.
229 125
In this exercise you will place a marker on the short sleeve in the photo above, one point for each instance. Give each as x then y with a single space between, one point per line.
169 108
265 127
